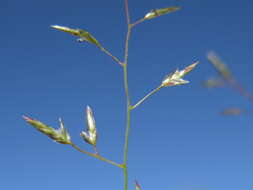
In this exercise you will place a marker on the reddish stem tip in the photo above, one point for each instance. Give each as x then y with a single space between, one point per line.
27 118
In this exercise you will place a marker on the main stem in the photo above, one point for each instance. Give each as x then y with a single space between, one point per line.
128 106
125 168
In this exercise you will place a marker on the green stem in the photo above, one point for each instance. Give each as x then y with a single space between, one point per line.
128 107
145 97
138 22
127 132
97 156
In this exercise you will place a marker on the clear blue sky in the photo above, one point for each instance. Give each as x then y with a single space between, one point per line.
178 141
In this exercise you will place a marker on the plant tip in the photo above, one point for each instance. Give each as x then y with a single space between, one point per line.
27 118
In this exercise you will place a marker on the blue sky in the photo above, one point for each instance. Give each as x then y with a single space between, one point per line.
178 139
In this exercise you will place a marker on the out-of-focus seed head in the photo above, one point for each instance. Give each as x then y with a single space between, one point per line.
137 185
218 64
214 82
232 112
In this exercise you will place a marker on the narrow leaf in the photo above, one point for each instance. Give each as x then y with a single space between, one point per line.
159 12
86 36
66 29
83 35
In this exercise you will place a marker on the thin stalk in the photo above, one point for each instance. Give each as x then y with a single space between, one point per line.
97 156
138 22
112 56
127 132
145 97
127 12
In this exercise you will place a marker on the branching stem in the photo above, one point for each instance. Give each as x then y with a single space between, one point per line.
112 56
138 22
97 156
145 97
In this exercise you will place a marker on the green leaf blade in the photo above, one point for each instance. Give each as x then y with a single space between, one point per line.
159 12
83 35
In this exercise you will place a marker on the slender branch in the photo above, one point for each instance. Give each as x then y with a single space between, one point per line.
112 56
129 29
127 12
138 22
145 97
97 156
